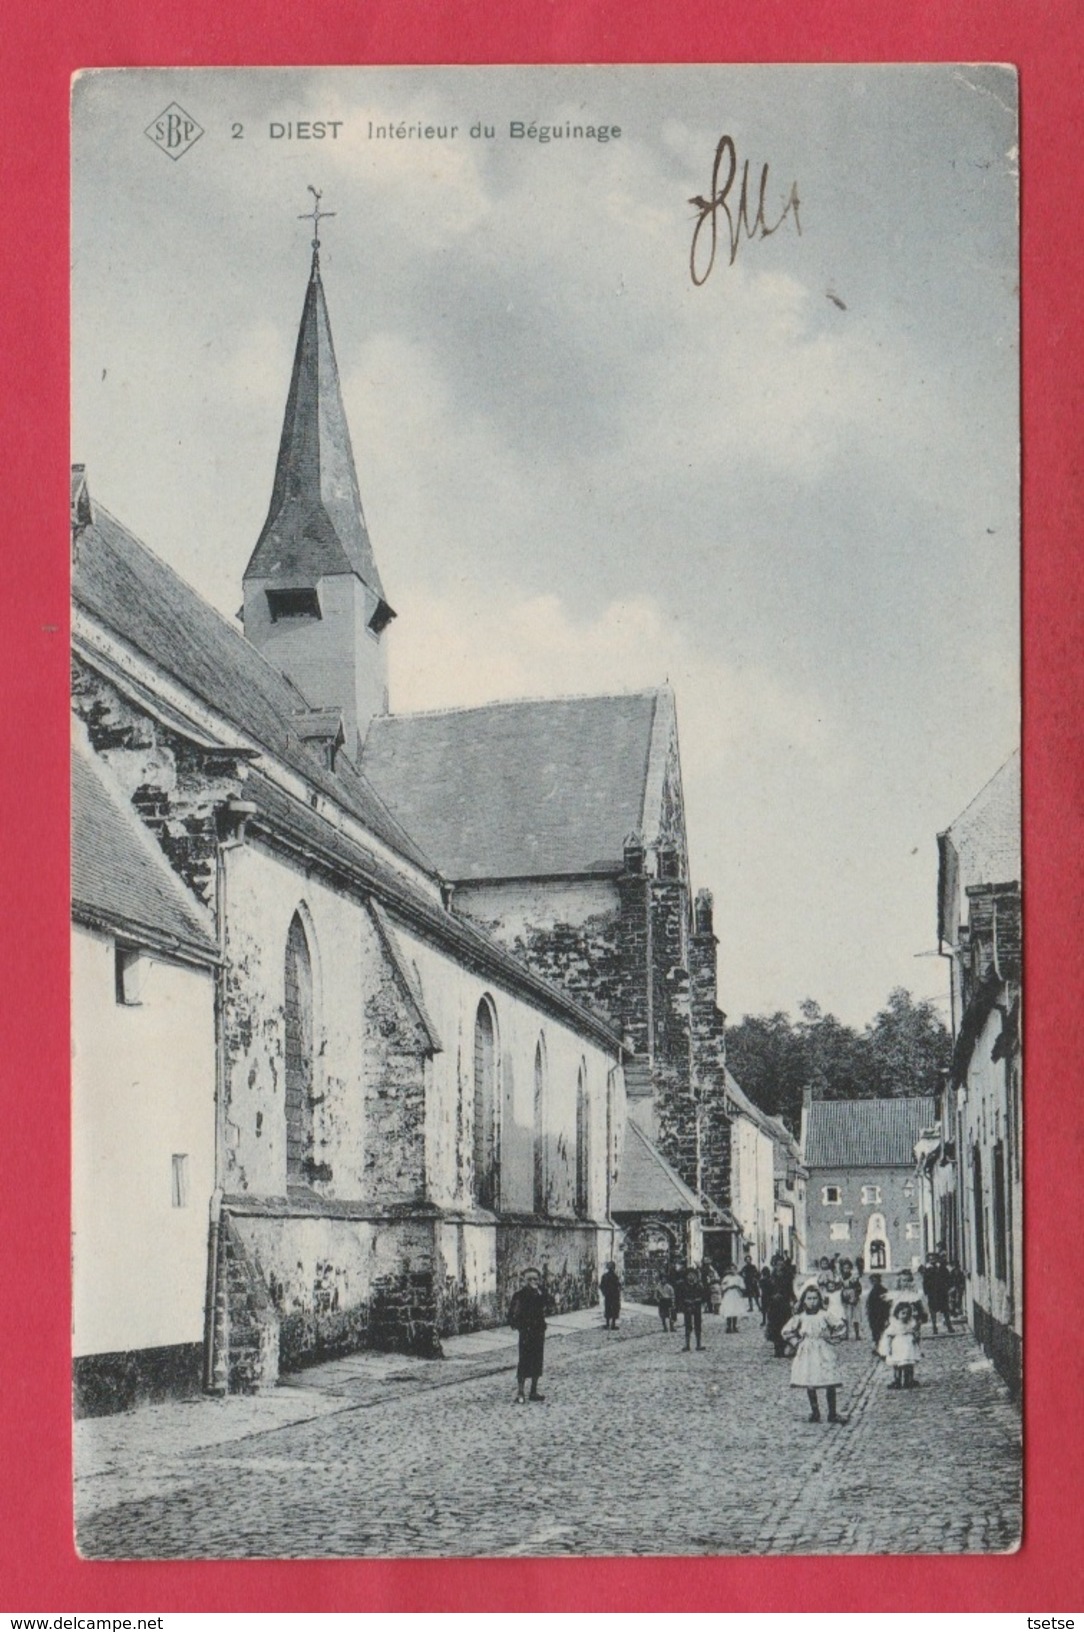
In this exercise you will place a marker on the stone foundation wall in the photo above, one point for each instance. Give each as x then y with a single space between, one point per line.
103 1384
1003 1345
337 1285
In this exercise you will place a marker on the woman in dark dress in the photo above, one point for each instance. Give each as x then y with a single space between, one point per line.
778 1305
610 1287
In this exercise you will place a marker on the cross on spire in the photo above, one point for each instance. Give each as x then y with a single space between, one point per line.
316 215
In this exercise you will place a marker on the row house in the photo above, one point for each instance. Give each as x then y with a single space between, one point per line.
980 1140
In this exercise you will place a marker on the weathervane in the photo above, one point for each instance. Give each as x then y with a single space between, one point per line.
316 215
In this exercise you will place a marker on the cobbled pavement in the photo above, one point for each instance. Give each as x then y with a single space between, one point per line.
639 1449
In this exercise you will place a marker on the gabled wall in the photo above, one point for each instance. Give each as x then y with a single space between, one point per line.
143 1076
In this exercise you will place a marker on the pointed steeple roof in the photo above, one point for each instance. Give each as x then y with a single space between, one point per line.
315 524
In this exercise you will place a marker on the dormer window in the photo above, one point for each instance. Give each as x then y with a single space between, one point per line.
292 603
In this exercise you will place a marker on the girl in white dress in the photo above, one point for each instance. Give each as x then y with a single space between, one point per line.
901 1342
815 1364
734 1302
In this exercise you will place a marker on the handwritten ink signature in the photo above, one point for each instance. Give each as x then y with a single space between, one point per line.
702 254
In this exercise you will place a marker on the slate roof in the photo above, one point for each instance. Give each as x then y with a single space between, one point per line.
772 1128
283 815
315 523
120 878
986 836
518 789
646 1182
864 1132
121 582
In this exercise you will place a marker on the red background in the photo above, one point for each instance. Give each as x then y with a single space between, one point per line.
44 45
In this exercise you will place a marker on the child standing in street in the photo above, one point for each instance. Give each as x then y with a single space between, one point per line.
850 1291
815 1365
733 1301
667 1311
901 1343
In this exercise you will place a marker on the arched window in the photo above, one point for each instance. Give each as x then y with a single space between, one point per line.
298 1054
876 1255
541 1174
485 1106
583 1146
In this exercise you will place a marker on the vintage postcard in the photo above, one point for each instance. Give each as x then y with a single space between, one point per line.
546 812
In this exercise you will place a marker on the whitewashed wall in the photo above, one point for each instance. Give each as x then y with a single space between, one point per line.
143 1091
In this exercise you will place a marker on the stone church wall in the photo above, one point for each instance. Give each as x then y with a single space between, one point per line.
368 1089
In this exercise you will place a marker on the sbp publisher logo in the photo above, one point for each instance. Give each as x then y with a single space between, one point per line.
174 131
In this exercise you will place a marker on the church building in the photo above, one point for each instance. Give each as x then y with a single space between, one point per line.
382 1114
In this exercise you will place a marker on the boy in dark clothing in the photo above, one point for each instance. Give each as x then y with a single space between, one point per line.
750 1280
527 1314
765 1293
691 1298
878 1309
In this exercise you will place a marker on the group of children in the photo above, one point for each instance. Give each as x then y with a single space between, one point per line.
822 1319
895 1323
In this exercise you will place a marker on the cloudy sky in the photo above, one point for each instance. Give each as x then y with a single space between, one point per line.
791 491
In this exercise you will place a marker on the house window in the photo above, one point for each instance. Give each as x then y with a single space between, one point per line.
583 1146
840 1230
130 967
871 1195
1001 1241
541 1199
180 1181
298 1051
831 1195
978 1218
910 1231
876 1255
293 603
485 1105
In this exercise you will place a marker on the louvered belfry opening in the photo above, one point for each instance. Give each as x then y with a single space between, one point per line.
485 1106
299 1053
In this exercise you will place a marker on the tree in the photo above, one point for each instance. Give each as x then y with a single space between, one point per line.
910 1049
904 1050
766 1055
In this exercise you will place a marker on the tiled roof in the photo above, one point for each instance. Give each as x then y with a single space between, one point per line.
864 1132
646 1182
139 598
986 836
518 789
120 878
315 523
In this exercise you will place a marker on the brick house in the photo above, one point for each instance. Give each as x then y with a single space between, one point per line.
978 1156
862 1196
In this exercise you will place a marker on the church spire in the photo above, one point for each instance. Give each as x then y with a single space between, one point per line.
315 523
314 603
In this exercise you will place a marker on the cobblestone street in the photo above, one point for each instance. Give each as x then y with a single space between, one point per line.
639 1448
